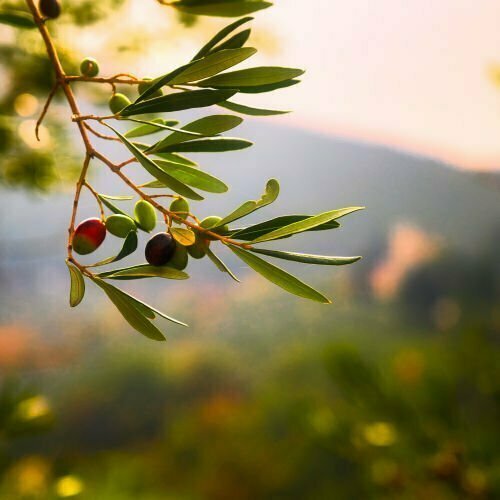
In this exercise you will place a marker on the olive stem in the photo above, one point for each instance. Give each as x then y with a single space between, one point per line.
45 109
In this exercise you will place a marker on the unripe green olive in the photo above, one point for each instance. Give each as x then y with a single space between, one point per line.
51 9
212 221
160 249
180 206
117 102
88 236
199 249
145 86
89 67
145 215
120 225
180 258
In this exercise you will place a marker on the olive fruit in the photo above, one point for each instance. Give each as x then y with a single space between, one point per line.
50 9
89 67
211 222
120 225
145 215
199 249
180 258
88 236
181 207
160 249
145 86
117 102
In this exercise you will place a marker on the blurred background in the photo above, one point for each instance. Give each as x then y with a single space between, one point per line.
391 392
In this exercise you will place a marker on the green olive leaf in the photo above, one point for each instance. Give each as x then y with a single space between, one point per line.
77 288
184 236
151 127
129 247
220 8
252 77
235 42
248 110
210 145
145 271
305 258
221 266
278 276
17 19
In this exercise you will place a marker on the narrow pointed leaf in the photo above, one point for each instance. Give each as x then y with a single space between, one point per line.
165 125
179 101
252 232
310 223
260 89
192 177
206 126
111 206
211 145
17 19
235 42
184 236
270 195
148 128
176 158
279 277
151 167
131 312
223 33
248 110
324 260
221 8
77 287
129 247
252 77
116 198
220 264
212 64
146 271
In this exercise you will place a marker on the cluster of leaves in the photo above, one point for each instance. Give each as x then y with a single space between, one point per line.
203 82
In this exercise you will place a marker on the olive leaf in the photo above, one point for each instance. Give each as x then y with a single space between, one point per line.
105 200
306 224
184 236
278 276
147 128
145 271
259 89
206 126
116 198
17 19
305 258
162 126
210 145
269 196
223 33
129 247
252 77
248 110
220 8
236 41
77 288
151 167
221 266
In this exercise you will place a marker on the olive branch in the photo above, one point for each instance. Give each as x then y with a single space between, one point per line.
200 83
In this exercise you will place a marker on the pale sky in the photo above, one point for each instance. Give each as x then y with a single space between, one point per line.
407 73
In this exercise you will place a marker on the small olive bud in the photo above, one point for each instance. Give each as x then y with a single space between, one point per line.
199 249
145 86
180 258
120 225
88 236
160 249
50 9
145 215
211 222
118 102
180 206
89 67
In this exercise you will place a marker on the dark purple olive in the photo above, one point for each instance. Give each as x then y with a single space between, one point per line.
51 9
160 249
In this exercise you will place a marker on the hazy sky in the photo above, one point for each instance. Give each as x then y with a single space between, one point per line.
408 73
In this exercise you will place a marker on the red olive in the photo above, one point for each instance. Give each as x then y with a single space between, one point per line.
160 249
88 236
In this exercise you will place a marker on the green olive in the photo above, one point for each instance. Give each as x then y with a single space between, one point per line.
145 86
89 67
211 222
180 258
145 215
180 206
118 102
199 249
120 225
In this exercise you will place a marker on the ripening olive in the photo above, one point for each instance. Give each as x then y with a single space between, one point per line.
145 215
180 206
50 9
211 222
180 258
88 236
145 86
118 102
160 249
89 67
120 225
199 249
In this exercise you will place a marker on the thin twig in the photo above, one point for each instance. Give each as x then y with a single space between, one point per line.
45 109
100 135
